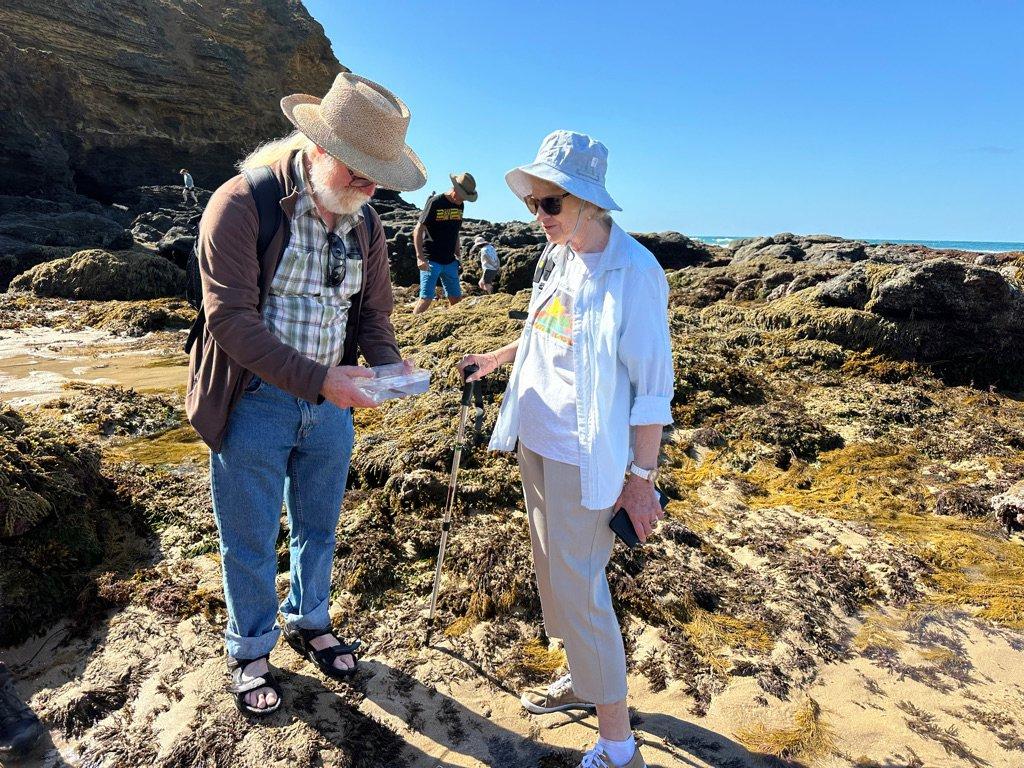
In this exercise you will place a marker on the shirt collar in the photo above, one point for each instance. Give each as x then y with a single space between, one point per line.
304 205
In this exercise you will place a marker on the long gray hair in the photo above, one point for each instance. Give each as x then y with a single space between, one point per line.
272 151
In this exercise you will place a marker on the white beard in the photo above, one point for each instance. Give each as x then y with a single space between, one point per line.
344 201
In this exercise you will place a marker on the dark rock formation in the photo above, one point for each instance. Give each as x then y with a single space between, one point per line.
675 251
824 249
102 276
89 84
176 245
964 321
34 231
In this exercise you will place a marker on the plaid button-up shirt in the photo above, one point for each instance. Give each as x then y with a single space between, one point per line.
303 310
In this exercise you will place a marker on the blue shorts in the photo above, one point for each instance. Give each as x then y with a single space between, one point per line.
449 276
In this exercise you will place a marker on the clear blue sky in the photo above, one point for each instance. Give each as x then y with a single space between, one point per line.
860 118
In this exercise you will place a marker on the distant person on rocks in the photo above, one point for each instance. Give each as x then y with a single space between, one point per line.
436 240
588 395
189 187
20 728
272 379
490 266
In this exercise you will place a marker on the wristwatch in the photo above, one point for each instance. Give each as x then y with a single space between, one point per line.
650 475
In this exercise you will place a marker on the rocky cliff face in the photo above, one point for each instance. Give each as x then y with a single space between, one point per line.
97 96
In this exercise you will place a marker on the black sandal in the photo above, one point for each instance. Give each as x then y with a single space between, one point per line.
299 639
240 688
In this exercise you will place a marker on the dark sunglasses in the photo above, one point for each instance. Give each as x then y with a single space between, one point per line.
550 205
339 258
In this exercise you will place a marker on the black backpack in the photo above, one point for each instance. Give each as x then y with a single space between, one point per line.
266 193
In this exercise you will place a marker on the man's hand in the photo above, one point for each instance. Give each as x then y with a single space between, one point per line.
339 387
422 264
640 501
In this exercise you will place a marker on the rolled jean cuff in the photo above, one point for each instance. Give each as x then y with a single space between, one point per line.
317 618
239 647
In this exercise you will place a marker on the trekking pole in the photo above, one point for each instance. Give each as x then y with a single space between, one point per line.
468 391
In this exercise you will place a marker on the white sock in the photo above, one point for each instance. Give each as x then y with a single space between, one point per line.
620 752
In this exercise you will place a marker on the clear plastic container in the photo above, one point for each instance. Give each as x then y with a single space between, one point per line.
394 381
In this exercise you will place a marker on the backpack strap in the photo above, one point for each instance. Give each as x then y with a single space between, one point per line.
350 352
266 193
369 218
545 264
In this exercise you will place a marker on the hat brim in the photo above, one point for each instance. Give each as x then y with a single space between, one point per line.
469 196
403 174
518 180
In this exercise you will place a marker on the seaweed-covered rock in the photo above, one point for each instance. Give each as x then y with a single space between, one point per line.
964 321
137 318
33 232
101 276
57 524
111 410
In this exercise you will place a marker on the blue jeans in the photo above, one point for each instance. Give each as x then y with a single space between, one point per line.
278 448
449 276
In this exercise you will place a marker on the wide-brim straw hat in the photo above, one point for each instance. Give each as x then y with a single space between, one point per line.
466 185
573 161
363 125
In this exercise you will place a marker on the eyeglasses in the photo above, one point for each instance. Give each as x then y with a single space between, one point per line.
338 259
358 182
550 205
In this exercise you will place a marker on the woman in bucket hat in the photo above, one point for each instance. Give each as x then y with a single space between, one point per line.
587 398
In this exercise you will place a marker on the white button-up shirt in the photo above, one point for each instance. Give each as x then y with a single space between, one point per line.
623 359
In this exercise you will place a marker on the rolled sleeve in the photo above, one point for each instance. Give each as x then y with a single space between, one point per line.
645 349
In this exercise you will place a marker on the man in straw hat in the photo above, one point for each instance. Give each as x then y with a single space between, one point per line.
436 239
272 380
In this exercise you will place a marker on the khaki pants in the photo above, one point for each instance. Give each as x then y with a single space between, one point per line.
571 548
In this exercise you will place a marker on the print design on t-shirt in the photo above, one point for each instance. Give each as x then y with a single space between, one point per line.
555 319
447 214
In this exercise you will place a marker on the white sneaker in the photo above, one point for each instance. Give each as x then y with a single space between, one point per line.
598 758
557 697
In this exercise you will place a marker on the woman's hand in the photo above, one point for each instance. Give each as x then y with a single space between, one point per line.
640 501
486 362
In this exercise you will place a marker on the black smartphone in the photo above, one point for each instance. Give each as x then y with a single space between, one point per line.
622 526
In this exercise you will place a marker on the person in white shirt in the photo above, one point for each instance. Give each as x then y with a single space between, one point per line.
490 265
189 187
588 396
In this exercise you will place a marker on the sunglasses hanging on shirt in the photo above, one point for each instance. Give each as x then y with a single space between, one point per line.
338 258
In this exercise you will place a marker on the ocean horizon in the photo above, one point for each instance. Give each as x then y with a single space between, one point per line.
978 246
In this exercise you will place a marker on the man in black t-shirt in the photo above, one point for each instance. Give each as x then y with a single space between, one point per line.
436 239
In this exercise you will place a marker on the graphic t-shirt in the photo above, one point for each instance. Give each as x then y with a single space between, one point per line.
547 382
442 219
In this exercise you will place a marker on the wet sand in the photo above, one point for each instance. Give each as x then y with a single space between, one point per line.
37 362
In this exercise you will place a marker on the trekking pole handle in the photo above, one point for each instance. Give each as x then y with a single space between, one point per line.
467 387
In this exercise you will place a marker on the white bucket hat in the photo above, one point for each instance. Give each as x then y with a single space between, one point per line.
573 161
363 125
